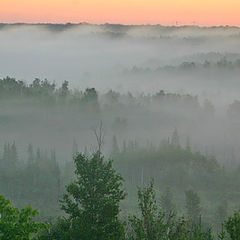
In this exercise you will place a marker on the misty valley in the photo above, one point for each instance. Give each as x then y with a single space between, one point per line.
117 132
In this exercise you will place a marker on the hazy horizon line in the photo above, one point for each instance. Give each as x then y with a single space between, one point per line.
120 24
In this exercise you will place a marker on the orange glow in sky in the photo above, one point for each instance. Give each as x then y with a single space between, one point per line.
202 12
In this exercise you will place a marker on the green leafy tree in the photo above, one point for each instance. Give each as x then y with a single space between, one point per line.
92 201
58 231
232 225
18 224
153 224
145 227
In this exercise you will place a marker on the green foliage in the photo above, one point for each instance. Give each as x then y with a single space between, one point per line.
92 201
147 226
154 224
58 231
232 225
222 233
18 224
36 182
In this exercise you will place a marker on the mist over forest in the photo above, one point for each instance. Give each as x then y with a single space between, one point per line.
188 59
166 98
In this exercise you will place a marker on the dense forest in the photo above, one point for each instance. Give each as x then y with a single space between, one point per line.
91 206
170 165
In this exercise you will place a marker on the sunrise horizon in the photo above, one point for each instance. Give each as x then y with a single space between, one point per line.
119 119
131 12
123 24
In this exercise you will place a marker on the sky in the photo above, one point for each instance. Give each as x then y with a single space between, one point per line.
166 12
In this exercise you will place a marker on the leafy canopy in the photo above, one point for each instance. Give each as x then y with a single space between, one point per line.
18 224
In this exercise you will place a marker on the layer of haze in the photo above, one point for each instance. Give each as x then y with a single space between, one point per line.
139 59
111 57
161 78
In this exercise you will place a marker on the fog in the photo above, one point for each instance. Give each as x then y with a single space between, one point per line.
100 55
200 61
145 84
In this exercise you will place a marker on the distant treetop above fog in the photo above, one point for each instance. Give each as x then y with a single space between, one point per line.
121 30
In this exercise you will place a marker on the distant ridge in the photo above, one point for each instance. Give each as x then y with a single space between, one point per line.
68 25
120 30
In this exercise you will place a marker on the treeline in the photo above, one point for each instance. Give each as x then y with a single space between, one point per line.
92 211
46 93
12 88
39 179
223 63
176 169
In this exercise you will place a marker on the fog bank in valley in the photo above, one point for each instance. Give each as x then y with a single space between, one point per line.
167 98
126 58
